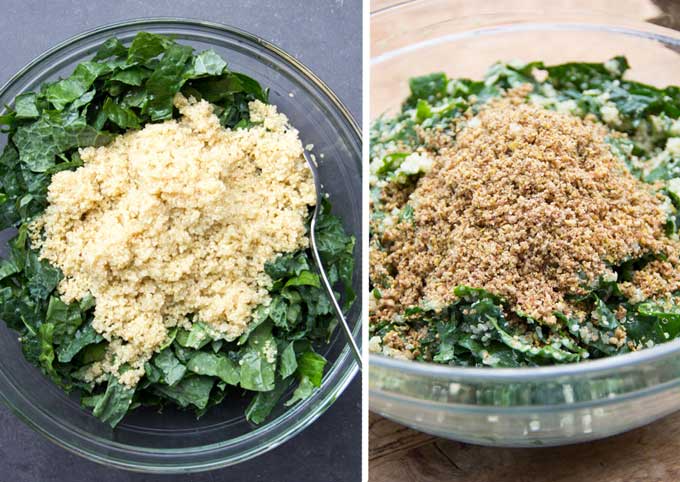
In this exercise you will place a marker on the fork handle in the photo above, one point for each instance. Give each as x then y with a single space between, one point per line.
356 352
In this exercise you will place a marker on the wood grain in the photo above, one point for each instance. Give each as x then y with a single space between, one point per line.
649 454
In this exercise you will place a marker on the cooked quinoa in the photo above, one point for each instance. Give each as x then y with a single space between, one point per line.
173 224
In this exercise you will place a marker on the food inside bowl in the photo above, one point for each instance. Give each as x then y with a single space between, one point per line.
530 218
162 258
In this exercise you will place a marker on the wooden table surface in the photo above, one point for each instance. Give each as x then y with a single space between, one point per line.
649 454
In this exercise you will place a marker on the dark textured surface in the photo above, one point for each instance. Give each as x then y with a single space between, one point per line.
326 36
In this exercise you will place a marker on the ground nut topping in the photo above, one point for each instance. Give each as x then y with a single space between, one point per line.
529 204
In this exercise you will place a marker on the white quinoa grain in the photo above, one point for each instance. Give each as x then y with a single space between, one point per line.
177 219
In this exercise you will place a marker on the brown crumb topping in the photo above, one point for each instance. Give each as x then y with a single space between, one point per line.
529 204
656 279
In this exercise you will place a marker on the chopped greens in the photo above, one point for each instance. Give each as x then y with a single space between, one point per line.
479 329
122 88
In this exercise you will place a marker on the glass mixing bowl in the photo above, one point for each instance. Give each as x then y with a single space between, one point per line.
175 441
533 406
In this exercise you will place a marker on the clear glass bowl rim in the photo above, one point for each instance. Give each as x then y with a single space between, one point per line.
499 24
289 424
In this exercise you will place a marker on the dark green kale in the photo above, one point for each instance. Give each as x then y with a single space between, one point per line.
122 88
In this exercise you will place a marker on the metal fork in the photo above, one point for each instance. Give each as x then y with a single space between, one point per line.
322 272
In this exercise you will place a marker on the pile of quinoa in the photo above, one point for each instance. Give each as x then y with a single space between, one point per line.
173 224
526 203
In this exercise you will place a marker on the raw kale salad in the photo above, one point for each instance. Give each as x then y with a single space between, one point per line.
476 329
122 88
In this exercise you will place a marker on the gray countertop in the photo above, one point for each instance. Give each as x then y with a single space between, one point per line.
324 35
